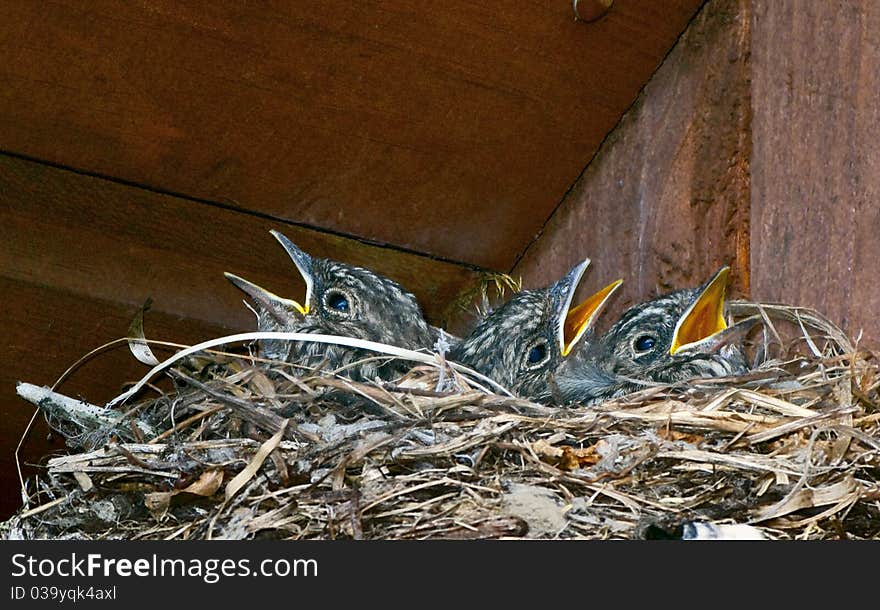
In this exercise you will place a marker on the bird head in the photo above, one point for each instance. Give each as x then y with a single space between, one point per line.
275 313
340 299
524 341
676 336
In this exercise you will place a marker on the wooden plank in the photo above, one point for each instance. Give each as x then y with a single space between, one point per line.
666 200
123 244
816 158
44 332
451 128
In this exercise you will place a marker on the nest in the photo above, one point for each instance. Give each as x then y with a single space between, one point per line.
242 448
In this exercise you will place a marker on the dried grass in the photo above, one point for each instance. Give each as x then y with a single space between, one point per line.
243 448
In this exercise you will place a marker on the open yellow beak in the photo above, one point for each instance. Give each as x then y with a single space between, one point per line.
705 317
271 302
580 318
304 264
280 307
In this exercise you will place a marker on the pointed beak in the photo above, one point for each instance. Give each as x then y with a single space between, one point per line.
580 318
704 319
566 288
279 307
303 264
732 334
572 323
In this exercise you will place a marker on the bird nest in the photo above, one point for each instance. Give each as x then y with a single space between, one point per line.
243 448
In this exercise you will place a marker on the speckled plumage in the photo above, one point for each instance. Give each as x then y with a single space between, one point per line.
500 343
379 309
613 365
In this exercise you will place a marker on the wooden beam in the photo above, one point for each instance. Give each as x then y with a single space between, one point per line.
450 128
665 202
123 244
816 158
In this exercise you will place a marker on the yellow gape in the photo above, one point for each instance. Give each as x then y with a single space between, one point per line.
268 299
578 319
705 317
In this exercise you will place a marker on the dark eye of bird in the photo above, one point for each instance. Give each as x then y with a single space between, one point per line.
338 301
645 343
537 354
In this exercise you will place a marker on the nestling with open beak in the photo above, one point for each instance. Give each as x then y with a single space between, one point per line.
342 300
678 336
522 343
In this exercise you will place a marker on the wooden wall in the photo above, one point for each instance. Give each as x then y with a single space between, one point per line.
665 202
816 158
756 145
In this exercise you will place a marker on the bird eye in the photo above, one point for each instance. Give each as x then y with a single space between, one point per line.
537 355
338 301
644 343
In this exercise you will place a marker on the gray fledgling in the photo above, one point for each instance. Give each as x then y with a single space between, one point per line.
522 343
678 336
342 300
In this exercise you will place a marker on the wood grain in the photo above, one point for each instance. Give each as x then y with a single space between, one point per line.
665 202
122 244
450 128
46 330
816 159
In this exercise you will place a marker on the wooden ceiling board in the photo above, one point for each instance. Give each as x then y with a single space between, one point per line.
449 128
122 244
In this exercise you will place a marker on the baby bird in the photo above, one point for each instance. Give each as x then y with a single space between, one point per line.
678 336
522 343
342 300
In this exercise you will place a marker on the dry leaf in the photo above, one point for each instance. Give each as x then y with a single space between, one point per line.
137 341
674 435
262 385
544 449
85 483
565 457
206 485
259 457
579 458
835 493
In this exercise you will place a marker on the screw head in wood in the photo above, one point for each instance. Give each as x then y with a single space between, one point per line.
590 10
